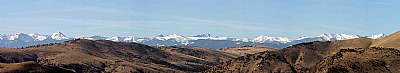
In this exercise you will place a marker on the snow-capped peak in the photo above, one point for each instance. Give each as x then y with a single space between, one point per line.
302 37
20 36
174 35
58 36
264 39
203 35
95 37
203 40
38 37
377 36
114 38
331 37
33 34
15 36
246 40
1 37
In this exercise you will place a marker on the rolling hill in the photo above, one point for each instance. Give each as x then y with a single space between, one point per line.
246 50
107 56
31 67
392 41
354 55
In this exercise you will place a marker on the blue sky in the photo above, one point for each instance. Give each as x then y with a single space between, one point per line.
238 18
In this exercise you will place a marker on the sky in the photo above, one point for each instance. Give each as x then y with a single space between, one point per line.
235 18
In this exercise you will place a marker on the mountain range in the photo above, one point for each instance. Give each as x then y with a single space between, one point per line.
20 40
358 55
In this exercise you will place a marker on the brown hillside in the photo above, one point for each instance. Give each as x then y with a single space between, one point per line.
30 67
392 41
107 56
264 62
297 58
245 50
200 53
369 60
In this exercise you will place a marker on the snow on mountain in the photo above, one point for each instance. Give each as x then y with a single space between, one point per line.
20 37
176 37
203 35
1 37
302 37
115 38
96 37
24 40
266 39
204 40
333 37
245 40
58 36
38 37
377 36
210 38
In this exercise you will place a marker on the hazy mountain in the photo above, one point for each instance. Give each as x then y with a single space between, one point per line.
203 40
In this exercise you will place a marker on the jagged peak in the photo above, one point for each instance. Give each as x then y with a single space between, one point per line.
58 36
174 35
271 39
19 36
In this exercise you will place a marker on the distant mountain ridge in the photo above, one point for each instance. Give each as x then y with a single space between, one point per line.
24 40
203 40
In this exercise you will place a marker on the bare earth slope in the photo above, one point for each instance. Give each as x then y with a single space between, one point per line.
107 56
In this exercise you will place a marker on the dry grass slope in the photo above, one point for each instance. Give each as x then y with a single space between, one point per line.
392 41
31 67
362 60
245 50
